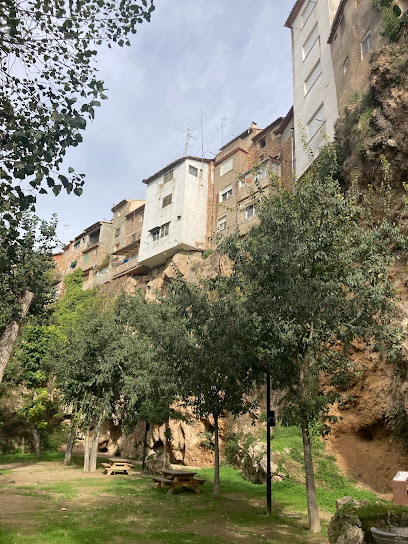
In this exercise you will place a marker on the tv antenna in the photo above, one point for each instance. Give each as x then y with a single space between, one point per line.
225 121
189 136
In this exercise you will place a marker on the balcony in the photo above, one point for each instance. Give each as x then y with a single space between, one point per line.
131 267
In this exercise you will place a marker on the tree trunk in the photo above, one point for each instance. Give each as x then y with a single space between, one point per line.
167 434
9 336
86 451
312 510
216 492
95 444
36 441
70 443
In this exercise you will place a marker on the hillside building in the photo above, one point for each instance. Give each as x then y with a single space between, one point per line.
243 166
314 87
176 214
127 226
354 34
89 251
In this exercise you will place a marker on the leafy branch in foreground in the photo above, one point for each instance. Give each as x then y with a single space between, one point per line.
49 89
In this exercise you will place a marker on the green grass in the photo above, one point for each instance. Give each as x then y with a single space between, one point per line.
121 510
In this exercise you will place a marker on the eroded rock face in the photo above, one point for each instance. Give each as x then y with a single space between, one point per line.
343 528
366 132
254 464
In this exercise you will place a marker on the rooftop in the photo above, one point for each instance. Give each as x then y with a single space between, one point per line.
172 165
336 20
246 132
294 13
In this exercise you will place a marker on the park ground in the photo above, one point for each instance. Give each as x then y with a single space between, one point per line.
45 502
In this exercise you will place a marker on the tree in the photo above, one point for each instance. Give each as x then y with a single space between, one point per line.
314 276
87 358
150 385
49 89
28 373
26 284
216 369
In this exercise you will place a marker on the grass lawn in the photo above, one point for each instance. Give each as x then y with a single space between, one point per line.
44 502
124 509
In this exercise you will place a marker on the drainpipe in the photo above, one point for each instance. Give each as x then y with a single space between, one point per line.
292 137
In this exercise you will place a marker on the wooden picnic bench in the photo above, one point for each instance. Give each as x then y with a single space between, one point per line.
178 478
118 466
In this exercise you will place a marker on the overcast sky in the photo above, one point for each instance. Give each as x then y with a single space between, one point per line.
228 59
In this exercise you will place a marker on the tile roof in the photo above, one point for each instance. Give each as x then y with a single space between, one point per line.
294 13
172 165
336 20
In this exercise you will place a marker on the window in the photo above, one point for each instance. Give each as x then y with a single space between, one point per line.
117 231
222 223
167 200
366 45
307 11
141 217
164 230
77 244
96 252
155 233
243 182
168 176
192 170
262 172
226 193
86 257
316 122
226 166
250 211
276 169
73 265
262 143
311 40
312 77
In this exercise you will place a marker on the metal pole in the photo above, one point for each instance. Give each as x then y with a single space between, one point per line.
292 136
145 445
268 446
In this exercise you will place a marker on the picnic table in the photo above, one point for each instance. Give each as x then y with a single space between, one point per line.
179 478
117 466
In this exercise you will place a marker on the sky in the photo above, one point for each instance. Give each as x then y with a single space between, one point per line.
198 63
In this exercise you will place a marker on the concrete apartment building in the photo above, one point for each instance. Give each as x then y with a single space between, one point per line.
235 180
314 88
355 32
176 215
127 223
89 251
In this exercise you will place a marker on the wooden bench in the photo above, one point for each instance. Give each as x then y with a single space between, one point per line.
179 480
117 468
162 481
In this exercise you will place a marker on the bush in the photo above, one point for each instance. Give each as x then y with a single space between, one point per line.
207 253
232 450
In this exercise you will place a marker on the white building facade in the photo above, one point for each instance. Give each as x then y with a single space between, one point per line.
177 209
314 88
